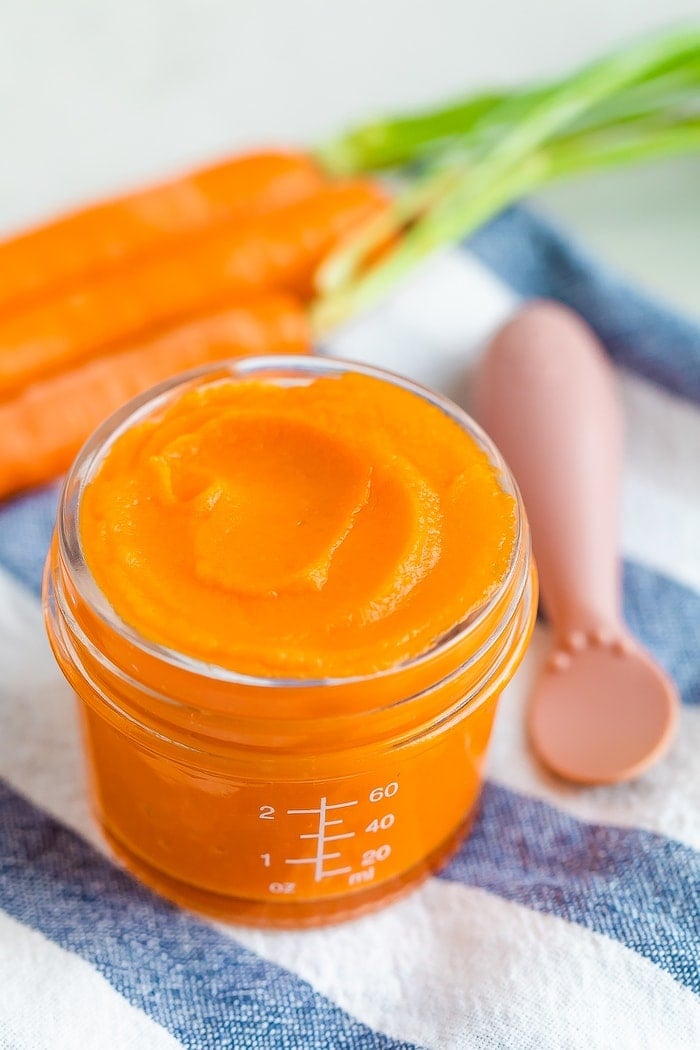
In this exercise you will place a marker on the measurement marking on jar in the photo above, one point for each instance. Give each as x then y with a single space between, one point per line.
330 838
322 839
358 877
325 806
312 860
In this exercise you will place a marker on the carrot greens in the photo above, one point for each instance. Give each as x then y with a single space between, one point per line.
461 164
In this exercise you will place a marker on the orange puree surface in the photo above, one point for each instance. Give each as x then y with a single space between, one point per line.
317 529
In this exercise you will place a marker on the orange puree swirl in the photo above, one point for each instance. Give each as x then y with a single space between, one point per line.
329 528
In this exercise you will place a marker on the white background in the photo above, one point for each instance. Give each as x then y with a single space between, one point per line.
95 96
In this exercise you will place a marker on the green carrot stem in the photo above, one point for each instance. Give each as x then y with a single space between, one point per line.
653 71
363 292
670 94
461 216
340 266
576 157
546 116
595 82
388 143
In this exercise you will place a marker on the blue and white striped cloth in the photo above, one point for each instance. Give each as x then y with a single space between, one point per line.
571 917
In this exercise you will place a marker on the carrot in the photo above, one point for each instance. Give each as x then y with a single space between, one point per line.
99 237
279 251
43 428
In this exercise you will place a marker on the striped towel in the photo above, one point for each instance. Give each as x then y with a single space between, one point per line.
571 917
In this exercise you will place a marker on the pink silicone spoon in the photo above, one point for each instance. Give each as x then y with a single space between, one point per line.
602 710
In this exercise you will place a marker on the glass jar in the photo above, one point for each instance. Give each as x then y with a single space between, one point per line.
254 799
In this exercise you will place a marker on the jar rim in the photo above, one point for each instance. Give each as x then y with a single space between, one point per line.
92 454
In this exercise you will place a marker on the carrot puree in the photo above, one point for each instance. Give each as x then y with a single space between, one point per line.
288 594
327 528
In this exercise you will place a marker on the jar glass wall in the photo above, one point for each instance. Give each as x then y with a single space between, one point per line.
268 800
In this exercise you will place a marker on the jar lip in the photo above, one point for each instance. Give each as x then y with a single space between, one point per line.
91 454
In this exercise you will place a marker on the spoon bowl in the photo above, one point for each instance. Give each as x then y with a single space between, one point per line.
601 713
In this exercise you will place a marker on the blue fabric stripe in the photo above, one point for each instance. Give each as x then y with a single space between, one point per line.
633 886
636 887
663 614
203 987
26 524
538 260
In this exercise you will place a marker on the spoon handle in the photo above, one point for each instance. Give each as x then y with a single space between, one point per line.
546 394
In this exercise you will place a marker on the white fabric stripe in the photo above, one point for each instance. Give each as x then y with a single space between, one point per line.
454 968
51 999
661 513
40 749
653 510
666 799
25 652
664 435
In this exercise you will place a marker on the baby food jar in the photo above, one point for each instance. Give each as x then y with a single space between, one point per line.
275 801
